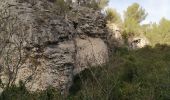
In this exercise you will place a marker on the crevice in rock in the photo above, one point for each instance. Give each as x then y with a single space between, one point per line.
75 24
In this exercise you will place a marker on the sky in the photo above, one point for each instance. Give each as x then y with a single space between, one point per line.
156 9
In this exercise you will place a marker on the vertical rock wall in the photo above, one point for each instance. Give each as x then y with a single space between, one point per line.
50 48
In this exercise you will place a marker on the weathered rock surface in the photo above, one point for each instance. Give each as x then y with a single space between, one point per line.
90 52
138 42
50 49
115 37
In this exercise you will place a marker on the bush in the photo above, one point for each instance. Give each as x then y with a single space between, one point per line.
112 16
62 6
97 4
135 75
159 33
131 28
21 93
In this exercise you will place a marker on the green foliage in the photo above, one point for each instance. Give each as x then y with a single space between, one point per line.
97 4
135 12
131 28
130 75
21 93
112 15
62 6
132 18
164 30
159 33
102 3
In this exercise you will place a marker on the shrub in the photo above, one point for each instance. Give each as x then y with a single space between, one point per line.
131 28
135 75
21 93
112 15
62 6
159 33
97 4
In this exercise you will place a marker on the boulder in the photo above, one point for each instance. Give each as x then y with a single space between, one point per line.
138 42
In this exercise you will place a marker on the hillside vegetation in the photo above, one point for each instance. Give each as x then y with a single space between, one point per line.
129 75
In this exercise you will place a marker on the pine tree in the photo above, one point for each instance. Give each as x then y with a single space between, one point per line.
133 16
135 12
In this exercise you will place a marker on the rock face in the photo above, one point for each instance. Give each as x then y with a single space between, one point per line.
47 49
138 42
90 52
115 37
53 66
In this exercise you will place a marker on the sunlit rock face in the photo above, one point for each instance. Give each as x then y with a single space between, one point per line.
52 66
46 49
115 35
90 52
138 42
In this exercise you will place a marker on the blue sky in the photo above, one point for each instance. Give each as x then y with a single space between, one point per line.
156 9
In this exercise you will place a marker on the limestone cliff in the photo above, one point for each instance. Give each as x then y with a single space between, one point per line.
42 48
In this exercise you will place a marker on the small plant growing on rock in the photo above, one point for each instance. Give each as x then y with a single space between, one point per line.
62 6
97 4
112 15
